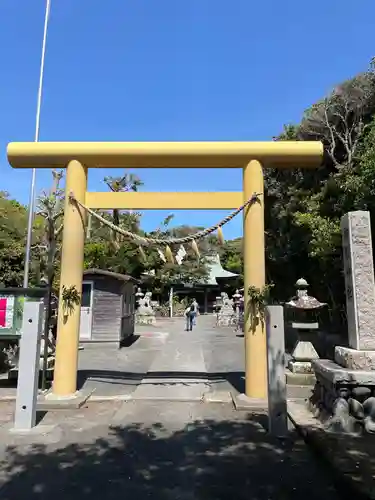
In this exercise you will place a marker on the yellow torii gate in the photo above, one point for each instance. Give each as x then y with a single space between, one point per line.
77 157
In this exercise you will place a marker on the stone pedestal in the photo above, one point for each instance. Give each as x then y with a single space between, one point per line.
303 353
344 393
225 317
145 318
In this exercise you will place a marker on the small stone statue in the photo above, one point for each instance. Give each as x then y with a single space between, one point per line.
226 313
11 356
147 299
145 315
142 302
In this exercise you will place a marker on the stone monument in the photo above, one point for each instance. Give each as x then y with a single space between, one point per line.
144 315
345 389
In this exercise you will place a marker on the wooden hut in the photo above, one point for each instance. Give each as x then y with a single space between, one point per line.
108 305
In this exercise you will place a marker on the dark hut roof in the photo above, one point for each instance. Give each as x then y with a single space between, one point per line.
110 274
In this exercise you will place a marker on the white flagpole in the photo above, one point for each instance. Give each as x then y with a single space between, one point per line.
37 127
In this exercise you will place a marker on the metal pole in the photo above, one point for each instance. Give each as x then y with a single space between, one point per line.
47 305
171 302
37 127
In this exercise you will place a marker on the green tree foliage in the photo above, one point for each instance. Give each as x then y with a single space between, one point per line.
304 208
231 256
100 252
365 182
107 249
125 183
13 224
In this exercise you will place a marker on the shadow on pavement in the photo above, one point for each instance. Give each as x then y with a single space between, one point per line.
206 459
129 341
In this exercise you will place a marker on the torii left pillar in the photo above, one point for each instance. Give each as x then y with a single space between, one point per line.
66 364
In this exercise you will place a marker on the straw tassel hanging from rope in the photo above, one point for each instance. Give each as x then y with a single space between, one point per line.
169 254
142 253
195 248
161 255
220 236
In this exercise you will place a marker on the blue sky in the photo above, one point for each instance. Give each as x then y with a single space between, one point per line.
147 70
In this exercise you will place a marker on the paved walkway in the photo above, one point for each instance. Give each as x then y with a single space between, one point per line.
159 450
167 362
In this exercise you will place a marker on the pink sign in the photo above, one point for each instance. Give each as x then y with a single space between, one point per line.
6 312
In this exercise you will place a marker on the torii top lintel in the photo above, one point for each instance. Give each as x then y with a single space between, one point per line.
303 154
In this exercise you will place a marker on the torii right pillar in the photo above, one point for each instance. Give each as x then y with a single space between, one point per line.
254 275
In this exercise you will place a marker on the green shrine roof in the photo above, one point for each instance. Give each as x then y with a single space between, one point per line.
216 270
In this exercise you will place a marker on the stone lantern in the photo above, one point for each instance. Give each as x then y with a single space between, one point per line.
305 322
139 294
237 302
218 304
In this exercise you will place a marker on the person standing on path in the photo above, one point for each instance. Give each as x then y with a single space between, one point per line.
195 311
190 314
